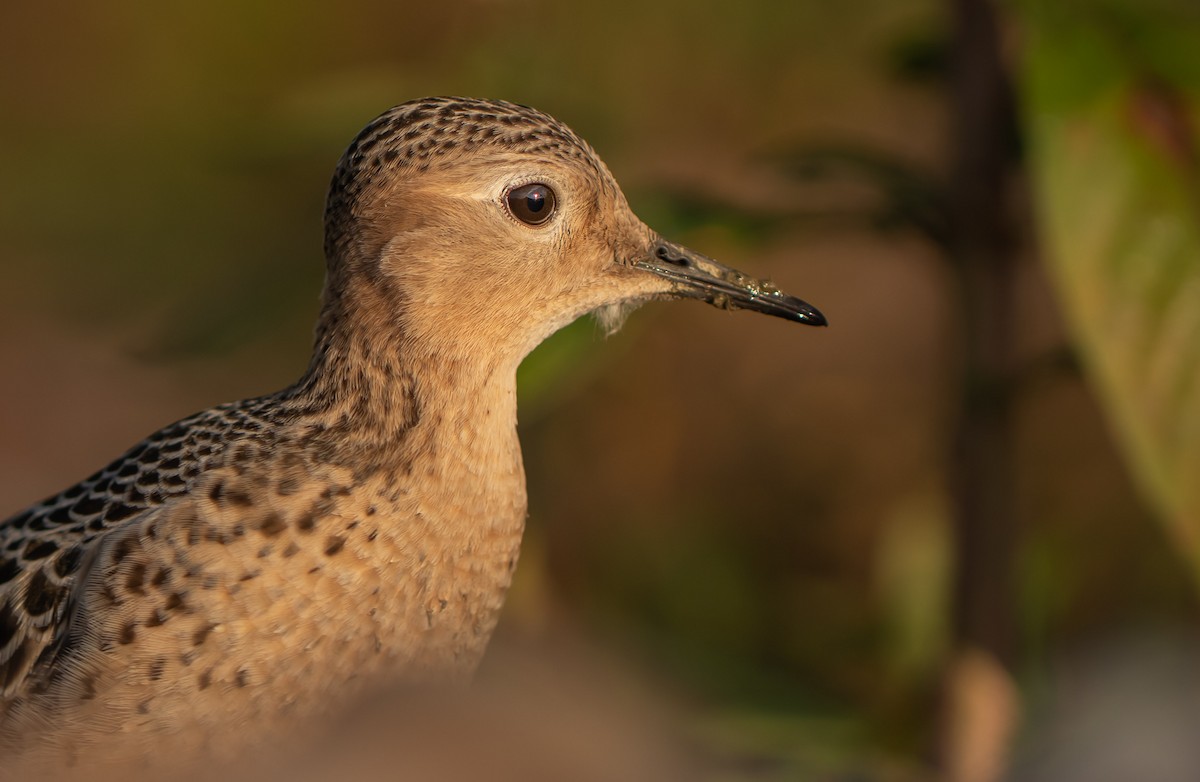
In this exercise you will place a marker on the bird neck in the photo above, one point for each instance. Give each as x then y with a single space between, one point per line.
379 399
423 443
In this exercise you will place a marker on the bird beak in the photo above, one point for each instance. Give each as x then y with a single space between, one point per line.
698 277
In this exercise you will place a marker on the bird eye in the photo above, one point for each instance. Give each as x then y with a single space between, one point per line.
531 204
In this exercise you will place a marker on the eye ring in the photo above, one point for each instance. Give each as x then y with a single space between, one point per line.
532 204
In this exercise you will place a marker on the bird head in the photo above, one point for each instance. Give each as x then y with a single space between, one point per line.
481 225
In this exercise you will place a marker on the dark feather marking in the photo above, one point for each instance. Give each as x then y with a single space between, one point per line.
8 626
41 595
39 549
68 563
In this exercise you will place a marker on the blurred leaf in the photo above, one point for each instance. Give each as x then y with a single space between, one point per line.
909 197
922 57
913 571
561 364
1112 102
677 211
886 194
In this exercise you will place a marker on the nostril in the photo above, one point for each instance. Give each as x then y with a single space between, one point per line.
675 259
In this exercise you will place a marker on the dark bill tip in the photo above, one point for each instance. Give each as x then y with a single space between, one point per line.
699 277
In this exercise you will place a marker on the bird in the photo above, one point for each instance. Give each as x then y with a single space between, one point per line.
243 569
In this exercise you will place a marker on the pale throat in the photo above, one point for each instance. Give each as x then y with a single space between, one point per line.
422 408
467 444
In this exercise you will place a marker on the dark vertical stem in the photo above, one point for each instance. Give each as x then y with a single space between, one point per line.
985 241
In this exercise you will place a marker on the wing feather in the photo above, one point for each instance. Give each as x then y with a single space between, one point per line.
44 548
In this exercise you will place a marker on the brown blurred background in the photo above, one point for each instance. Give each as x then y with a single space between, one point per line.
762 524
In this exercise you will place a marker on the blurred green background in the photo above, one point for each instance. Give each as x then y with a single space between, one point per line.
772 527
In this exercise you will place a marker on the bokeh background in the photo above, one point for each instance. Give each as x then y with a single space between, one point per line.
955 535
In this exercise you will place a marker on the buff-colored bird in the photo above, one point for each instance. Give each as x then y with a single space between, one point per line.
248 568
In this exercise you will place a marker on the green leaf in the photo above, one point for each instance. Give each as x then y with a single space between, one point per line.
1112 103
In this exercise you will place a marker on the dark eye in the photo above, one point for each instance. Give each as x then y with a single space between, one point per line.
531 204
